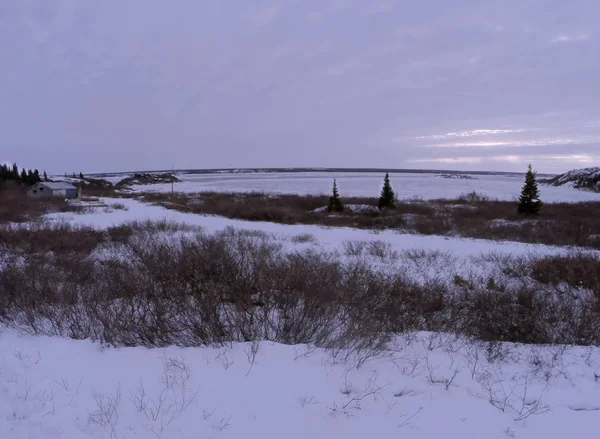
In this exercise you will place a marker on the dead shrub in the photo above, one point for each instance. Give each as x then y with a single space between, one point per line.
161 287
118 206
576 270
382 250
473 198
303 238
59 238
354 248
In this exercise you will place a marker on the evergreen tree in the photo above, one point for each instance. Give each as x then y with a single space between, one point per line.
45 176
529 202
74 176
387 200
26 176
81 175
335 202
4 173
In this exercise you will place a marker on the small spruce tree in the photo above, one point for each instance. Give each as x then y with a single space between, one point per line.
45 176
387 200
529 202
335 202
5 173
81 175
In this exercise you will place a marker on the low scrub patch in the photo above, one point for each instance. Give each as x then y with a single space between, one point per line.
575 270
195 289
472 215
17 207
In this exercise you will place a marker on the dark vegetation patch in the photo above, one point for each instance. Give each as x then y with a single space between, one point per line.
195 289
59 238
472 215
95 187
17 207
575 270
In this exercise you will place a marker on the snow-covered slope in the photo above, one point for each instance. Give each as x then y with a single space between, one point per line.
586 178
329 238
428 386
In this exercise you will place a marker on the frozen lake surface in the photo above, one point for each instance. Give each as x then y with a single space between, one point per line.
365 184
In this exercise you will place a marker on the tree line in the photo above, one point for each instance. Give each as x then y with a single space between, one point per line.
81 176
529 201
24 176
27 177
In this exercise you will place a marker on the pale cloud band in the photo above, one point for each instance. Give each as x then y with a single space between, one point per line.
472 133
519 143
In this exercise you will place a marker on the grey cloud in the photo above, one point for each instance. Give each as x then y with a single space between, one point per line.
117 85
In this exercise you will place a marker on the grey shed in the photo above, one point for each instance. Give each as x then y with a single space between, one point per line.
44 189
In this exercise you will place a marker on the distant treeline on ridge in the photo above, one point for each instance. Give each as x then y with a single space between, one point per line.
26 177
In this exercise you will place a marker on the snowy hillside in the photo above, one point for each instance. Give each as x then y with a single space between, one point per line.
586 178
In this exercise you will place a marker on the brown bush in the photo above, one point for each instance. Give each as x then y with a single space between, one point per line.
59 238
211 290
576 270
513 316
96 187
17 207
195 289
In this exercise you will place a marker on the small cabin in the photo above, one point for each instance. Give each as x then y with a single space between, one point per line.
45 189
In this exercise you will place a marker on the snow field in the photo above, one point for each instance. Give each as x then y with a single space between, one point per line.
406 185
418 255
428 385
425 386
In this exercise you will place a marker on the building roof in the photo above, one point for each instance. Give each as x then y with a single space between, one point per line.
54 186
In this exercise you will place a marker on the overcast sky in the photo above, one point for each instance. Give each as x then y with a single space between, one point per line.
117 85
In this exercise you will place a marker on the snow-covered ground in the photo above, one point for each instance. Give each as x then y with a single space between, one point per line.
428 255
114 179
433 387
427 386
425 186
327 238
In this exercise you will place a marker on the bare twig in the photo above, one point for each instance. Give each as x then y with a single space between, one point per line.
251 352
409 419
223 424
